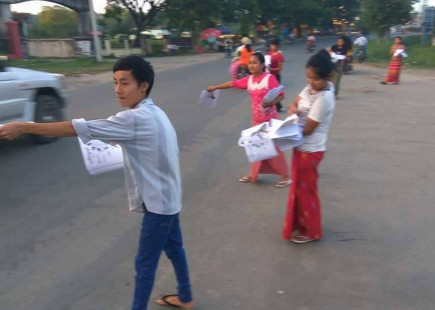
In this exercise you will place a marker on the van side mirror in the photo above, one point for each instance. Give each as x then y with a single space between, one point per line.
3 63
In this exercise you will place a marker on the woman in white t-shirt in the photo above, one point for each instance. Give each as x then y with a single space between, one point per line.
315 108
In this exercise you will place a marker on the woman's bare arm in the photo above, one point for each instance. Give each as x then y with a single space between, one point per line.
225 85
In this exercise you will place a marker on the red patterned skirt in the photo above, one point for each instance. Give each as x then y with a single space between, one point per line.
303 215
394 70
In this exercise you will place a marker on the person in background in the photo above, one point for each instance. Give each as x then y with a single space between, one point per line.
395 65
315 108
276 64
339 48
258 84
245 53
152 173
361 42
311 42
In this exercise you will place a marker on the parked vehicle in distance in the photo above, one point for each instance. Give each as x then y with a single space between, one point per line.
31 96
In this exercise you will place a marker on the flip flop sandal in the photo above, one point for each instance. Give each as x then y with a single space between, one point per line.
166 303
245 179
301 239
282 184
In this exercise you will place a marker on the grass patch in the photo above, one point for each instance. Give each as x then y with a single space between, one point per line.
378 51
70 66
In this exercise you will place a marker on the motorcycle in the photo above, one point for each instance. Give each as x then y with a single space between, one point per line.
291 38
361 54
311 46
242 71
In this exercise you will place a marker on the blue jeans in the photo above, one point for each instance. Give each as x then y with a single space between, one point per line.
159 233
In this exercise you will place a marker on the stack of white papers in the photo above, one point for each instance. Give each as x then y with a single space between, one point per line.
272 94
286 134
336 57
208 99
400 52
257 144
267 61
100 157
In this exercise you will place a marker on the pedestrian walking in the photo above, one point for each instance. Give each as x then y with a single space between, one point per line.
315 108
276 64
258 83
152 173
395 65
340 48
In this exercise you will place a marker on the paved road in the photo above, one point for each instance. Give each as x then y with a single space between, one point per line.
68 241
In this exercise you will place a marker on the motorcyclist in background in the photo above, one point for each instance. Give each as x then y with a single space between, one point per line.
311 43
361 42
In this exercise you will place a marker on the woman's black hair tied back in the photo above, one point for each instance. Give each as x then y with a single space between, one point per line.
321 63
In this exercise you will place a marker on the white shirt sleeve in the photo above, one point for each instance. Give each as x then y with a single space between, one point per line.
120 127
320 109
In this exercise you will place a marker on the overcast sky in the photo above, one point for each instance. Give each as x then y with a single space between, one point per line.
34 7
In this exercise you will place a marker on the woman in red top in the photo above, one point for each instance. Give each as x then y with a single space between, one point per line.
258 84
276 63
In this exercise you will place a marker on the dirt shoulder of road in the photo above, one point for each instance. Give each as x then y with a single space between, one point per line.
159 64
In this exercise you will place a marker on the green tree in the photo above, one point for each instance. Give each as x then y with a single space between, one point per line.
379 16
194 14
141 11
116 20
56 22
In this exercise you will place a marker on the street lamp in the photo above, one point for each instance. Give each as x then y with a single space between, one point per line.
95 31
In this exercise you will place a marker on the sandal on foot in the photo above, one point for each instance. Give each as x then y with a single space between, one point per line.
282 184
301 239
245 179
163 301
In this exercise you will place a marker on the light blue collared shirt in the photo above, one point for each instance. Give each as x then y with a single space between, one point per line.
150 149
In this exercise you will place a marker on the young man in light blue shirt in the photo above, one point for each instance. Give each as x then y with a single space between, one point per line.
152 173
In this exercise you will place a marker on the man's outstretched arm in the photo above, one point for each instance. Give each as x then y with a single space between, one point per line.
13 130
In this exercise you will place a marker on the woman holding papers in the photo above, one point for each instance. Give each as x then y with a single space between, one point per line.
258 84
395 65
315 108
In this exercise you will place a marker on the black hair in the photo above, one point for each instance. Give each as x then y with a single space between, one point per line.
321 63
141 70
248 47
274 42
260 58
398 37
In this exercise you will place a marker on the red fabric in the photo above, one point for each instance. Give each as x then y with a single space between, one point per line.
276 165
394 70
275 58
259 115
303 207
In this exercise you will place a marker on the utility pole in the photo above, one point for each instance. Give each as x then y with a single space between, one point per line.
95 31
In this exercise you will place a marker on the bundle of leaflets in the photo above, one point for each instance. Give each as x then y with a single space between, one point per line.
100 157
400 52
272 94
286 134
257 144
